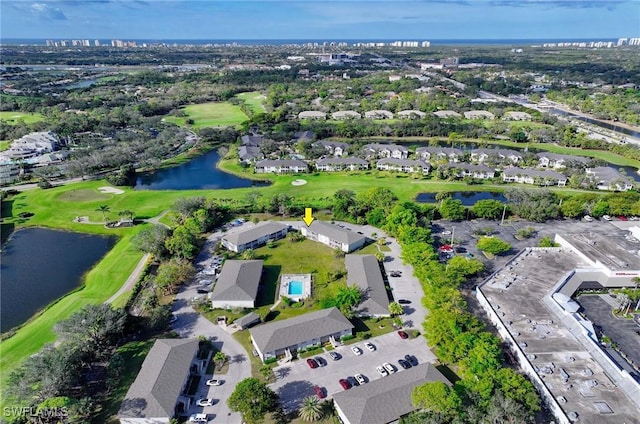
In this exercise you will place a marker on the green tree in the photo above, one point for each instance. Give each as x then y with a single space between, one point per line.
174 273
572 207
249 254
493 245
547 241
534 205
488 209
348 295
452 209
437 397
266 371
395 309
517 387
104 209
459 268
380 256
182 243
220 358
311 409
252 399
151 240
343 203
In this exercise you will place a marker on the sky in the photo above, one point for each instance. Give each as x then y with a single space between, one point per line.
317 19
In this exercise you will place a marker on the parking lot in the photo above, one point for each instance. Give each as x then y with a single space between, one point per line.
295 380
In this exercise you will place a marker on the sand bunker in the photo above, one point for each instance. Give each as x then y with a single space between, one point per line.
298 182
111 190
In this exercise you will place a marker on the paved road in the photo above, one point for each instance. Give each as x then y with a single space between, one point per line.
191 324
133 278
295 381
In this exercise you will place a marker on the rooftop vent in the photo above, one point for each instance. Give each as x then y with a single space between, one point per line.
603 407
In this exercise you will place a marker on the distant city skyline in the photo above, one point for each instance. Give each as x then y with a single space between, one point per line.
329 20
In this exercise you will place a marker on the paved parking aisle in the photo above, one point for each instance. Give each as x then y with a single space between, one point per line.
295 381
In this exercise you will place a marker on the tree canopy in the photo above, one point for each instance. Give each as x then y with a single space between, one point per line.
253 399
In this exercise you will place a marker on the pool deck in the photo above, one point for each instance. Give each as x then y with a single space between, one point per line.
303 279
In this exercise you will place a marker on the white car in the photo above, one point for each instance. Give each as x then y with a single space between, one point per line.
199 418
360 379
588 218
390 368
205 402
382 371
370 346
214 382
356 350
606 217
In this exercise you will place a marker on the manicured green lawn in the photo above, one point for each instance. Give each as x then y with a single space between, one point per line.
83 195
10 118
253 99
214 114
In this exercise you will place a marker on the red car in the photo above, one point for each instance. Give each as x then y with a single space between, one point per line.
312 363
403 335
345 384
622 218
319 392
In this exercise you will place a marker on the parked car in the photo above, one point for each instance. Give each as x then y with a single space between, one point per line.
198 418
370 346
390 368
588 218
312 363
606 217
202 291
356 350
334 355
344 383
214 382
404 364
360 378
404 301
205 402
411 359
395 274
352 381
633 218
622 218
319 392
382 371
460 249
403 335
320 360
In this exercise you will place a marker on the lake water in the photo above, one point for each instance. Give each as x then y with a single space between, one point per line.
468 198
41 265
198 173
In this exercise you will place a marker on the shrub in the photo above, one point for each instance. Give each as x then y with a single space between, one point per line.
270 361
347 337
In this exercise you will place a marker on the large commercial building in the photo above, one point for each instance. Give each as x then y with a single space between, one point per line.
555 345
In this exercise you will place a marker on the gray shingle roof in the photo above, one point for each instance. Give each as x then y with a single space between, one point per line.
364 272
440 150
248 319
386 399
376 147
403 162
606 174
471 167
249 152
557 156
534 173
238 280
289 332
260 230
252 139
342 161
281 162
332 144
334 232
157 387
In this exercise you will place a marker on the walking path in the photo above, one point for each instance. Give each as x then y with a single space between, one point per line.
156 219
133 278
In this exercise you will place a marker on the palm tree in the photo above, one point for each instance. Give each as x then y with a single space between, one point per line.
380 256
249 254
104 209
311 409
220 358
395 309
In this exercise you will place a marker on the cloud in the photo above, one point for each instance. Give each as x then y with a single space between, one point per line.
48 13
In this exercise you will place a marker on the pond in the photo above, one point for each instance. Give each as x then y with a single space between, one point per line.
41 265
198 173
468 198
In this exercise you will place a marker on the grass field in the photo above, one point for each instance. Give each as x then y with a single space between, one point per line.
4 145
254 100
83 195
10 118
214 114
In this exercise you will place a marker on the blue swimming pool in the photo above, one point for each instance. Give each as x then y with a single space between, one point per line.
296 287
